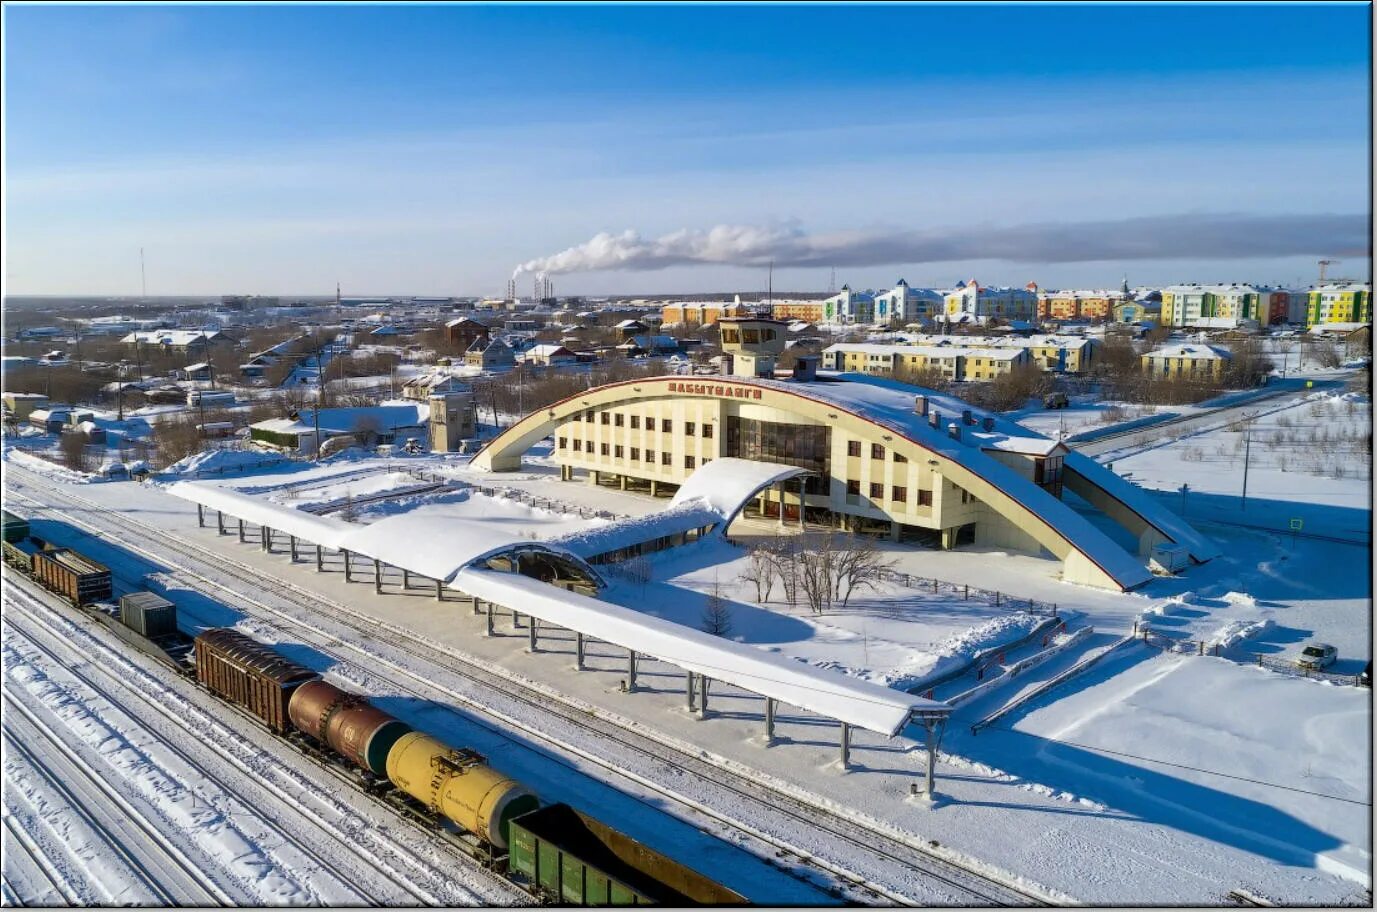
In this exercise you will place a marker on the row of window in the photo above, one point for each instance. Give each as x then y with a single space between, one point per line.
617 451
897 493
877 451
618 419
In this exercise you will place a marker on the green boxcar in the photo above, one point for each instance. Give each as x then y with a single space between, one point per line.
580 861
16 527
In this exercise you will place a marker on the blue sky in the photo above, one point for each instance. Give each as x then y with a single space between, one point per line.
431 150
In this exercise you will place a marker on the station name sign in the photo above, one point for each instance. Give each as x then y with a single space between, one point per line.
713 389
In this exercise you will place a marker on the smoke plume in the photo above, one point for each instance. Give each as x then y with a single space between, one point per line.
1185 236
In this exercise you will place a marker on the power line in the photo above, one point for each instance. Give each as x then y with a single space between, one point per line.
1105 750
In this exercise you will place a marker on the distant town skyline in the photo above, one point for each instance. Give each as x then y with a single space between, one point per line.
434 150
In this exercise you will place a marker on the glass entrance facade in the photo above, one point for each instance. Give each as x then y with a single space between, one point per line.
804 445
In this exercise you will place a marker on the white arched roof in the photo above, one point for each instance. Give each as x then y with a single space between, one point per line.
728 484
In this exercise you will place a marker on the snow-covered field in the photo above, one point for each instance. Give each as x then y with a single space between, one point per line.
1149 778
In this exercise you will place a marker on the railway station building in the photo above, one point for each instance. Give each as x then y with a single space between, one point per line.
880 457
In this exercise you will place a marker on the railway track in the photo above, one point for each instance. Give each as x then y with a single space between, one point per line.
892 856
170 878
21 843
401 868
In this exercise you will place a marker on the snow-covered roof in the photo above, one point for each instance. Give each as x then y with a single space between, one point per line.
176 337
385 417
676 519
828 693
1191 352
726 485
318 530
1320 329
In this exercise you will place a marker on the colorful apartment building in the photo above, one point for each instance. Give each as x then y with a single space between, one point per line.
1349 302
974 301
955 363
700 313
1079 304
1220 305
807 311
905 304
849 307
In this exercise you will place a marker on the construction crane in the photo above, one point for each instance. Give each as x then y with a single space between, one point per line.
1325 264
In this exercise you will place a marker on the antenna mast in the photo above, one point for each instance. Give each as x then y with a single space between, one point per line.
143 277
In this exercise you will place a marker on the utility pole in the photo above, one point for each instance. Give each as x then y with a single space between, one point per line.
143 277
320 398
1247 451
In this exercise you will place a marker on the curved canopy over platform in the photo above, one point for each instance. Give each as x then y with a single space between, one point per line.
828 693
727 484
434 546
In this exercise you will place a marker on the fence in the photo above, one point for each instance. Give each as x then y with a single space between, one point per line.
1166 643
995 597
1286 666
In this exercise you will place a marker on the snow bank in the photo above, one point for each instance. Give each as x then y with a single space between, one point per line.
218 462
1235 632
51 469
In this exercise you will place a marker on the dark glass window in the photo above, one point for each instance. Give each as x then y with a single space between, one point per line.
649 455
925 498
877 490
877 451
666 459
690 462
690 428
900 457
635 454
898 494
805 446
707 431
853 488
636 422
606 418
619 419
617 451
563 444
853 448
604 449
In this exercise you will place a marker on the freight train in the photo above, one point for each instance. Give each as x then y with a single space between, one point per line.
557 852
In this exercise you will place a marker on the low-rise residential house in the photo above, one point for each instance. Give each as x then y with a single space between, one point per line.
638 346
1347 302
489 354
20 405
178 339
992 363
199 371
453 419
422 386
51 420
549 355
885 359
1186 360
369 425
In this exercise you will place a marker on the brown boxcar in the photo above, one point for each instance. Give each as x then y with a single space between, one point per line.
250 674
347 722
79 579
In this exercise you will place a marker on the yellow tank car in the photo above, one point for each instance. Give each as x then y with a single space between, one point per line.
458 784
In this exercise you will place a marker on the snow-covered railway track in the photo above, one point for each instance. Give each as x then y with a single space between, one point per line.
348 855
25 862
167 877
813 832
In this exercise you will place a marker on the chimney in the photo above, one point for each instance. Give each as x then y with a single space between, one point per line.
988 424
954 431
806 368
726 368
935 419
920 405
967 417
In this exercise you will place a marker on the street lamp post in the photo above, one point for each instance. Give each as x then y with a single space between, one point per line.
1247 451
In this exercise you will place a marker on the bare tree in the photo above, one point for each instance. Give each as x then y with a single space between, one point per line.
815 575
717 613
73 448
760 572
859 563
348 512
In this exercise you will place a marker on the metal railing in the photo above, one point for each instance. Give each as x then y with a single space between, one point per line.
993 596
1288 666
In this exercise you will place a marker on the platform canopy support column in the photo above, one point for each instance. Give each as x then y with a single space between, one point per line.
579 646
631 671
845 746
320 559
241 531
406 579
377 575
219 522
534 645
439 591
702 696
200 516
769 720
933 728
688 691
265 538
779 487
490 630
291 540
348 568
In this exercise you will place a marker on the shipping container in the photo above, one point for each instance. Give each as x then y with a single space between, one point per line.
249 674
577 860
148 613
16 527
77 578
